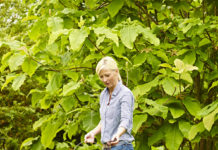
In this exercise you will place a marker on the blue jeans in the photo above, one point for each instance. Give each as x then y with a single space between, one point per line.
123 147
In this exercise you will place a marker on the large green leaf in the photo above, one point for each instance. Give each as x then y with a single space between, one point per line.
70 88
37 30
149 36
119 50
208 109
173 137
114 7
190 58
171 86
15 61
40 122
55 82
214 84
77 38
144 88
210 119
176 110
9 78
138 120
72 129
4 61
55 23
157 136
195 129
128 35
67 103
155 109
29 66
192 105
90 120
110 34
184 127
54 35
50 130
18 81
139 59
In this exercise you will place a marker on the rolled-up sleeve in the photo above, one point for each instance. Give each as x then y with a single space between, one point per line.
127 106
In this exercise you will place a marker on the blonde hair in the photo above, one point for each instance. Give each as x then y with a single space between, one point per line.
107 63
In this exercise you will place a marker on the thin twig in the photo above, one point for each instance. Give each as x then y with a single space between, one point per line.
146 12
96 46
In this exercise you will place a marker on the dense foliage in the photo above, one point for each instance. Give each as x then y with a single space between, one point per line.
167 55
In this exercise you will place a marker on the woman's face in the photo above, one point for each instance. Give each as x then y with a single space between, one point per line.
109 78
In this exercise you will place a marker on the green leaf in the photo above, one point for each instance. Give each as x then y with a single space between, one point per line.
155 109
187 77
192 105
161 55
139 59
54 35
153 61
50 130
37 30
195 129
67 103
128 35
72 129
144 88
40 122
110 34
90 120
15 61
28 142
29 66
173 137
55 82
214 84
204 41
190 58
55 23
157 136
114 7
9 78
208 109
37 95
176 110
148 35
18 81
62 146
91 3
137 121
119 50
4 61
184 127
210 119
170 86
70 88
71 74
77 38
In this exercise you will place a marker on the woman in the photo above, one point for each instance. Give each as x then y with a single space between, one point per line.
116 109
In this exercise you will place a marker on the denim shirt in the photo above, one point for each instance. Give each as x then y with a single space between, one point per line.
119 113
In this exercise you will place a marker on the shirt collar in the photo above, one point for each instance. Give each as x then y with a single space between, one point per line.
117 88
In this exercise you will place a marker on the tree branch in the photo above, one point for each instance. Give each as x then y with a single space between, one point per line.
96 46
144 9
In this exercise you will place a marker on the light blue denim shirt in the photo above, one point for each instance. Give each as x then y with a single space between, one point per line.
119 113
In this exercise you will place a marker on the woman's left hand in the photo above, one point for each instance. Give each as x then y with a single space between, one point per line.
115 140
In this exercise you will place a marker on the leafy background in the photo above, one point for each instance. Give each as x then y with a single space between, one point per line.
167 55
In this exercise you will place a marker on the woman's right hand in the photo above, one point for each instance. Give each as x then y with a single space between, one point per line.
89 138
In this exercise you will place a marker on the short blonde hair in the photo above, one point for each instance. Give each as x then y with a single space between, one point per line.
107 63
